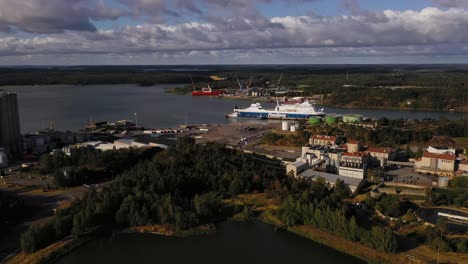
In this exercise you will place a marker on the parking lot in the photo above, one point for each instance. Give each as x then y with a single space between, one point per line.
407 175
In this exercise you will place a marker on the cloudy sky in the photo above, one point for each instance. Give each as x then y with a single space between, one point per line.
85 32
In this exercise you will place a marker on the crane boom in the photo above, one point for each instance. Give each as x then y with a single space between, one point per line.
193 84
279 80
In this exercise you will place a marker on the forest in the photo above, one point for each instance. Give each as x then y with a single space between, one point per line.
397 132
320 206
182 186
185 186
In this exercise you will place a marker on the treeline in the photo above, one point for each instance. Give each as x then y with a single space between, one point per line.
395 133
182 186
88 165
438 89
391 205
443 98
459 182
436 238
321 207
455 196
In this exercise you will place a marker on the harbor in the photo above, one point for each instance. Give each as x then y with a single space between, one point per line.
71 107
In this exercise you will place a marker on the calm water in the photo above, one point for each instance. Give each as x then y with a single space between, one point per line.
431 215
71 106
232 243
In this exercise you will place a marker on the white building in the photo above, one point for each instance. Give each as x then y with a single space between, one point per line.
353 146
353 165
3 158
436 163
463 166
331 179
322 140
296 167
381 155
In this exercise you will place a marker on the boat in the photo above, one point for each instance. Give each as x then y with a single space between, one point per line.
302 110
207 91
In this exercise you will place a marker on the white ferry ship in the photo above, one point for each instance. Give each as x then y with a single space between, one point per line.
297 111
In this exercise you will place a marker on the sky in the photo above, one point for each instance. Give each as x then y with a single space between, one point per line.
163 32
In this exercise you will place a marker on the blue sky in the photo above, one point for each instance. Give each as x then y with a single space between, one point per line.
40 32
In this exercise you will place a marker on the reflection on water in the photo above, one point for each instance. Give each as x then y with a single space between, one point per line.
430 215
71 106
232 243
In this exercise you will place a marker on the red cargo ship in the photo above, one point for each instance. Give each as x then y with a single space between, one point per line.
207 91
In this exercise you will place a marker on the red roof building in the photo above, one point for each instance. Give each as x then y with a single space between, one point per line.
439 156
322 140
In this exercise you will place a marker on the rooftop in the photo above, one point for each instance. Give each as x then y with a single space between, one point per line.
439 156
354 154
379 150
298 163
331 178
440 147
324 137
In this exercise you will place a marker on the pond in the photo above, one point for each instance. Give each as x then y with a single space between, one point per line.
233 242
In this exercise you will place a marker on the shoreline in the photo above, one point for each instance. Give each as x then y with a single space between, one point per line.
264 207
172 90
260 99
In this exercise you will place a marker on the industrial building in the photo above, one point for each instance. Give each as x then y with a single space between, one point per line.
323 140
353 146
46 141
435 163
296 167
123 143
353 165
441 150
380 156
331 179
463 166
10 133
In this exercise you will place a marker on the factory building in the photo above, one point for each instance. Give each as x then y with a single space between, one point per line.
380 156
331 179
10 133
322 140
435 163
353 165
353 146
296 167
463 166
441 150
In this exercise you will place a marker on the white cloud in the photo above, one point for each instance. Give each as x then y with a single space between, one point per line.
430 31
53 16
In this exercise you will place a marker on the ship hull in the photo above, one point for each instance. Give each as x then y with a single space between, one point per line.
212 93
274 115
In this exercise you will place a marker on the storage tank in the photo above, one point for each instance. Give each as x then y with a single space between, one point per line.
443 182
314 121
293 128
352 118
331 120
285 126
